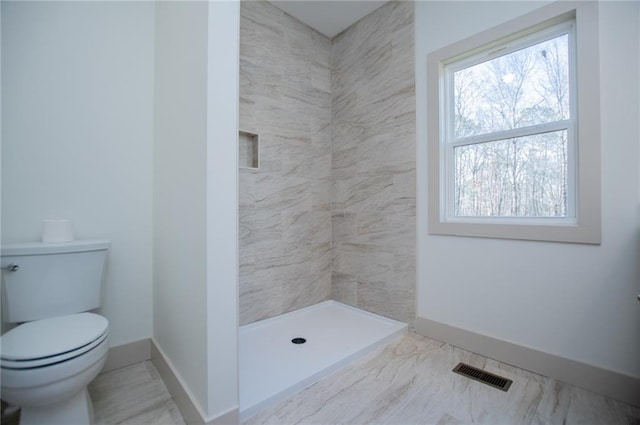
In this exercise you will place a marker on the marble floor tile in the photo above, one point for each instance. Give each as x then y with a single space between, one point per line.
409 381
133 395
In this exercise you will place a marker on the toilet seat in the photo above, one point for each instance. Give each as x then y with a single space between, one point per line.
49 341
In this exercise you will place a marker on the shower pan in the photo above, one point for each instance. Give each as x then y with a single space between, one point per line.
284 354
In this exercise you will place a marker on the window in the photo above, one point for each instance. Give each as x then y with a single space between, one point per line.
509 135
514 130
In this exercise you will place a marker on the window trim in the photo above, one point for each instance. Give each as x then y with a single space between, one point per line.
585 226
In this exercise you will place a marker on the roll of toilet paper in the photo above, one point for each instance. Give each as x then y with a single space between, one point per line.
56 231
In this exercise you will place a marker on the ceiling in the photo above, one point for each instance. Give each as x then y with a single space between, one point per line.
329 17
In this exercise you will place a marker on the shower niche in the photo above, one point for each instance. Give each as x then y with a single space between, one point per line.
249 150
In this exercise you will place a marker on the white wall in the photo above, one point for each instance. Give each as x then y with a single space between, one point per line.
77 110
196 198
222 206
575 301
1 327
179 201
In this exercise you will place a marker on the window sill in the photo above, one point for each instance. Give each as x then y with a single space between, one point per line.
553 231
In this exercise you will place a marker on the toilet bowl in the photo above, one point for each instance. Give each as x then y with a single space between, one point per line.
58 347
47 364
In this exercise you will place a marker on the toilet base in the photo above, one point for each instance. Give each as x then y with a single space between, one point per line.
76 410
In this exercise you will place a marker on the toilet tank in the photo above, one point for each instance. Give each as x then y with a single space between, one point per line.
41 280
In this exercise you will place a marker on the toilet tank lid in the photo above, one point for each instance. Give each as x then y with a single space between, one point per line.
40 248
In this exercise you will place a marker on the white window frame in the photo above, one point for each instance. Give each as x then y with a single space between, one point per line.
582 225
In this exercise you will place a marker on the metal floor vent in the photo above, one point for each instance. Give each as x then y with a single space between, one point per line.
480 375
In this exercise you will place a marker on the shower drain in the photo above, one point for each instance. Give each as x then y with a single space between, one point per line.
298 340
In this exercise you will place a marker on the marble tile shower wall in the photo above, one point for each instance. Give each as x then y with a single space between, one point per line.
373 163
285 217
331 211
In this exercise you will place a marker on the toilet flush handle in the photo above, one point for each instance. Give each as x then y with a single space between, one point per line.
13 267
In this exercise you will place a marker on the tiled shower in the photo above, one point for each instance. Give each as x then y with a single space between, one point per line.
327 209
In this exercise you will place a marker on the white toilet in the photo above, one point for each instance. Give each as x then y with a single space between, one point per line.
47 362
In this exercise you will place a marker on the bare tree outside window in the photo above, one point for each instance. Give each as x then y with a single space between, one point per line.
515 176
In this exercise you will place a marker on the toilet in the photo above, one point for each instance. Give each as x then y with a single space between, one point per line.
58 346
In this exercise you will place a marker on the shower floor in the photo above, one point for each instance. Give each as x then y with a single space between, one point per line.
272 367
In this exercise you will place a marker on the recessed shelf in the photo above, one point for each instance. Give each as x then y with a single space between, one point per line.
249 150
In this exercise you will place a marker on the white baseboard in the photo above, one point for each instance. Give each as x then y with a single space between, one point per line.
189 409
128 354
602 381
232 417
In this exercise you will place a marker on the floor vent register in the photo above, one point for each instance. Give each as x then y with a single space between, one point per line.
480 375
